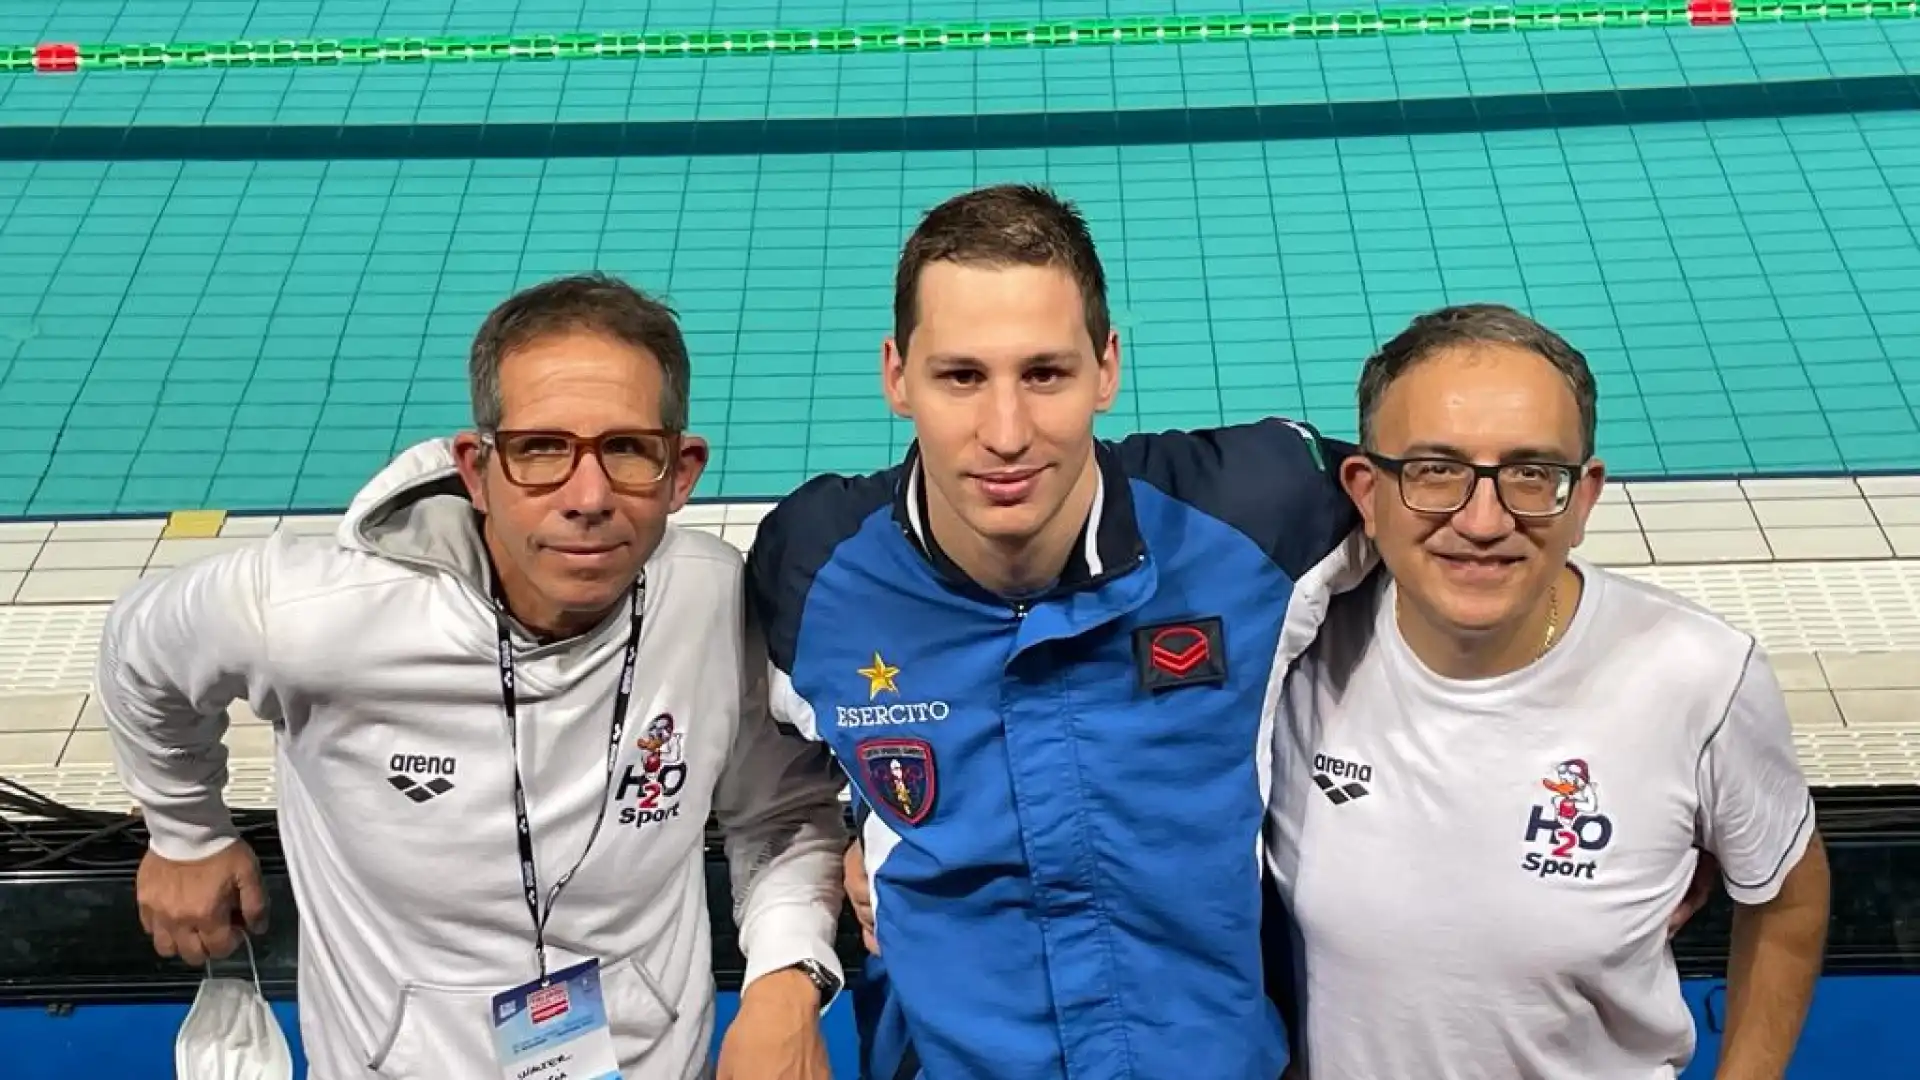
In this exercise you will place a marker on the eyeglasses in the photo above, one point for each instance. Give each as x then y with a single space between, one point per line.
1527 489
633 460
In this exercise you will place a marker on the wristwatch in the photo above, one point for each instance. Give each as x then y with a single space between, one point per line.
823 980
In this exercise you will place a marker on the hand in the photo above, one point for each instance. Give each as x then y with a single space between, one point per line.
858 891
776 1034
191 909
1705 873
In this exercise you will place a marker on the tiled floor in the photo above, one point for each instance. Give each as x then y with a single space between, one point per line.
1826 572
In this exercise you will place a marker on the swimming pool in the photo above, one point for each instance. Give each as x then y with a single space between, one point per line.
244 287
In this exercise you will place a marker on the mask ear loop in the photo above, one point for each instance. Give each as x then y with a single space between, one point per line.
253 965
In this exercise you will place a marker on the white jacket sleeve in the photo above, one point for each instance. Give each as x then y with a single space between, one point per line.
778 805
177 649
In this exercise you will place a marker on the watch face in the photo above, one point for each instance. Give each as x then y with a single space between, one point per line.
822 978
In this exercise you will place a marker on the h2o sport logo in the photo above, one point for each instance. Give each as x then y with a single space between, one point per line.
655 780
1568 832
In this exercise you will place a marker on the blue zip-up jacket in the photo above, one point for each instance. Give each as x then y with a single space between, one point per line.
1061 798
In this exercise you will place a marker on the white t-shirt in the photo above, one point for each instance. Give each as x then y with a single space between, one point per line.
1482 872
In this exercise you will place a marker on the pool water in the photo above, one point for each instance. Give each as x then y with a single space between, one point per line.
244 288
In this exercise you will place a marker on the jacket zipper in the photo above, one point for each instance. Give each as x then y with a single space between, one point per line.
1092 584
1021 607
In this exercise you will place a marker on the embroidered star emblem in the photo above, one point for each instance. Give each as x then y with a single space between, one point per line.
880 677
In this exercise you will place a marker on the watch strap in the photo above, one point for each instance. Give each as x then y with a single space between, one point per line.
822 979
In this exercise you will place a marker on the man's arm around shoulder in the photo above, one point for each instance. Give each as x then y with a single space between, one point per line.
178 649
778 805
1275 479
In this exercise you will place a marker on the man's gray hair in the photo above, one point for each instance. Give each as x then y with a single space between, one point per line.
1476 324
592 303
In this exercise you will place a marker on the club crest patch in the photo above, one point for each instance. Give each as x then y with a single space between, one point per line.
1191 652
900 776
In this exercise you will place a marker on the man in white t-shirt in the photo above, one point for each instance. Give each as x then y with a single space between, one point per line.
1500 763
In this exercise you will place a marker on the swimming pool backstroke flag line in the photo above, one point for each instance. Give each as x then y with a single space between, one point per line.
946 37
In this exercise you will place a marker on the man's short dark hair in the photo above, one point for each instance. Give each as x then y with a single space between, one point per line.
1003 225
593 303
1476 324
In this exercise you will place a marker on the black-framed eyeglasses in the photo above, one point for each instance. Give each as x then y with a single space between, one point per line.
1438 485
634 460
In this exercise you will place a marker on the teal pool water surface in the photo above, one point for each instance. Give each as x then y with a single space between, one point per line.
244 287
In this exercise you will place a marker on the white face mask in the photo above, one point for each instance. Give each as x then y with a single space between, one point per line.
231 1033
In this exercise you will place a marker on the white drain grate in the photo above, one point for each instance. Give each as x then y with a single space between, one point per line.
1835 757
1807 607
49 650
97 787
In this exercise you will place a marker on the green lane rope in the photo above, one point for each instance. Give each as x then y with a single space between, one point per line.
1484 18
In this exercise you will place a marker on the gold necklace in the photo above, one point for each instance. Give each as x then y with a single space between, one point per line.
1553 619
1553 616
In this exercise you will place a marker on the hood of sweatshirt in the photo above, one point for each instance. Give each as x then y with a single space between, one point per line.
416 512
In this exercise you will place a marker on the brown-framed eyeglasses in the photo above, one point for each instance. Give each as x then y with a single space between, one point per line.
634 460
1438 485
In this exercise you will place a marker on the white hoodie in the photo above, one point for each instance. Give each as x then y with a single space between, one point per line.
374 656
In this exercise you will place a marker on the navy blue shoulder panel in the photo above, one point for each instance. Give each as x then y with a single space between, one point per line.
797 539
1277 481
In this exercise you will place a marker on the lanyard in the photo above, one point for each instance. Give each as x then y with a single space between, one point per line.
529 874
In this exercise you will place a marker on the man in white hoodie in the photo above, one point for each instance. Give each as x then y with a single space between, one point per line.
507 695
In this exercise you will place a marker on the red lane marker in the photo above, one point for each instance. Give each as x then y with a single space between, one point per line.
1710 12
56 58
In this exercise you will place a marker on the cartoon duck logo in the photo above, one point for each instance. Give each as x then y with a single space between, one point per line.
658 773
1575 794
1566 832
659 745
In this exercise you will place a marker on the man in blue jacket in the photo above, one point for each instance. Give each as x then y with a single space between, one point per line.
1048 664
